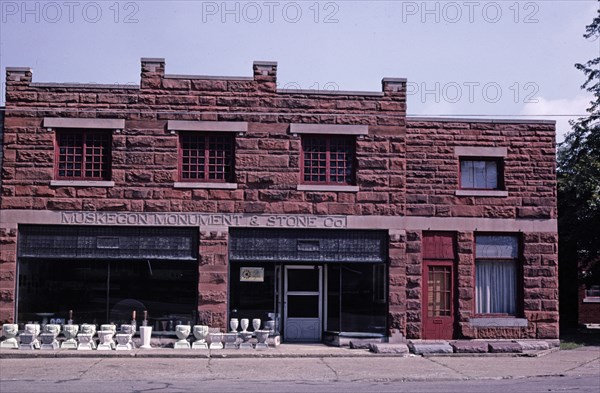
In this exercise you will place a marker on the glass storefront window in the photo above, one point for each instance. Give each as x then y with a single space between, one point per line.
363 309
252 299
354 298
357 298
101 291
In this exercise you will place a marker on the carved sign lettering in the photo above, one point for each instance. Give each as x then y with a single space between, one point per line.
203 220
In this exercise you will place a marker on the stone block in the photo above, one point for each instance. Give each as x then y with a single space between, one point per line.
428 347
470 346
393 349
533 345
363 343
505 347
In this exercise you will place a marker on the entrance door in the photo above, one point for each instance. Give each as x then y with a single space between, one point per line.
438 286
303 304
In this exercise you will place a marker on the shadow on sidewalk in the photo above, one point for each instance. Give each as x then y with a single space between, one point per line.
574 338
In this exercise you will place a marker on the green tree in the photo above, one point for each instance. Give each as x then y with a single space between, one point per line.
579 190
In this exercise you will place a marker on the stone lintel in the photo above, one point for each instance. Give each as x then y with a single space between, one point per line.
217 126
61 122
480 151
334 129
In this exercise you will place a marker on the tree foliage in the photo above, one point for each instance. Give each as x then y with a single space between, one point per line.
579 176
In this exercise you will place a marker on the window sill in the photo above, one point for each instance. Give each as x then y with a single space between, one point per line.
217 186
81 183
482 193
325 188
591 300
485 322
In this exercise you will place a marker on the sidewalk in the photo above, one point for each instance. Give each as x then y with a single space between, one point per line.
477 348
310 363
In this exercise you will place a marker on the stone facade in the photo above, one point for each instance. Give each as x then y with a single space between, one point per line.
406 178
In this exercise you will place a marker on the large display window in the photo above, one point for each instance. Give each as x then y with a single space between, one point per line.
101 291
105 274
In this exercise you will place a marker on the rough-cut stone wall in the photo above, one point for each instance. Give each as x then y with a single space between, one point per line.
465 282
144 165
432 173
397 284
212 283
540 281
8 268
414 268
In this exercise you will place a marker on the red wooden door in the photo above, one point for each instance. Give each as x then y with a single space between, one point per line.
438 286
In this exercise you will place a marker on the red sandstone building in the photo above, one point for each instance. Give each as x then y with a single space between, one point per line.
201 198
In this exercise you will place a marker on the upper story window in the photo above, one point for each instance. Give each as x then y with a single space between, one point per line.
481 174
206 157
496 272
83 155
328 159
481 171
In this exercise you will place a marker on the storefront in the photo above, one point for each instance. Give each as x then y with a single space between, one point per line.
103 274
317 285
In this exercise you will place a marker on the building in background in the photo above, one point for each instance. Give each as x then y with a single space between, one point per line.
332 213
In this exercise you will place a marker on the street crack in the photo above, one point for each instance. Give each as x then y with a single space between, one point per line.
334 371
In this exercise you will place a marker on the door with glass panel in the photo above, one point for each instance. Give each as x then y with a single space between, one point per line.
438 286
303 304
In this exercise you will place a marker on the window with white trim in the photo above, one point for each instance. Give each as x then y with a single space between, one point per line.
496 273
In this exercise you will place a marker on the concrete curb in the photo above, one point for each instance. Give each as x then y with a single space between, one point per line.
235 354
189 354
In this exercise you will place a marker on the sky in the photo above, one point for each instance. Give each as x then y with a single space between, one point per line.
488 59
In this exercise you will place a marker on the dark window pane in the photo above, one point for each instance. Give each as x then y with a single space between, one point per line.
166 289
252 299
305 280
300 306
362 308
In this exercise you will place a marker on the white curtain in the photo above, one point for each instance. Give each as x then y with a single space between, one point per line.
479 174
496 286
